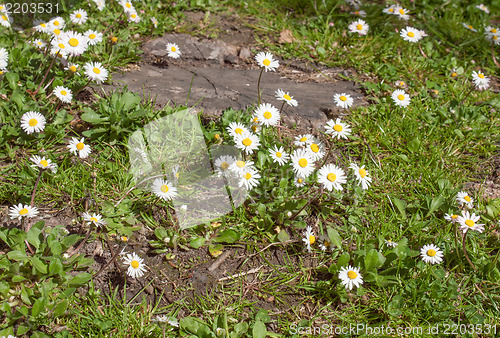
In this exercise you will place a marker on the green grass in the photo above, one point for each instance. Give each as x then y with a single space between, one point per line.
420 157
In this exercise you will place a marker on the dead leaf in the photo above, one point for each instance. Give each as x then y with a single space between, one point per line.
286 36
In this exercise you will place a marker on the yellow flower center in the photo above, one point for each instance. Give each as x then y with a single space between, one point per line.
303 162
128 5
56 23
343 98
92 36
266 62
134 264
63 92
43 25
124 239
312 239
164 188
114 39
362 172
44 163
93 219
303 139
470 27
314 147
454 216
480 75
391 10
401 11
287 97
411 34
338 127
401 97
470 223
73 42
133 16
352 275
247 142
431 253
300 180
454 74
359 27
493 30
278 154
61 45
331 177
173 49
80 145
96 70
23 211
224 165
248 176
268 115
240 164
73 69
495 37
238 131
467 198
57 31
78 15
33 122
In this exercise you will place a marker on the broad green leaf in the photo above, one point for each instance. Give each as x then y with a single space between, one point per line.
283 236
227 236
373 260
55 266
80 279
197 242
343 260
17 255
414 145
12 79
34 237
395 305
263 316
259 330
92 117
38 306
61 308
400 205
38 264
334 236
435 204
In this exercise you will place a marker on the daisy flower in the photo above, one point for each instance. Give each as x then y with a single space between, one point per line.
267 114
57 22
133 17
400 84
247 142
316 150
164 189
93 37
76 43
464 198
337 129
236 128
154 21
4 19
223 163
494 37
78 17
59 48
78 146
343 100
390 243
96 72
32 121
136 267
325 244
39 43
302 163
480 80
490 30
359 13
401 13
249 178
100 4
331 177
41 26
400 98
303 140
359 26
64 94
127 5
350 277
282 96
468 222
469 27
239 167
410 34
453 72
431 254
279 155
73 67
267 61
361 175
299 181
390 9
309 238
21 211
44 164
483 8
451 218
4 55
95 219
173 50
256 128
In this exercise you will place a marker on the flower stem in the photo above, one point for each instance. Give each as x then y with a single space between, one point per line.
258 84
465 251
305 205
34 189
279 121
493 54
45 76
466 96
